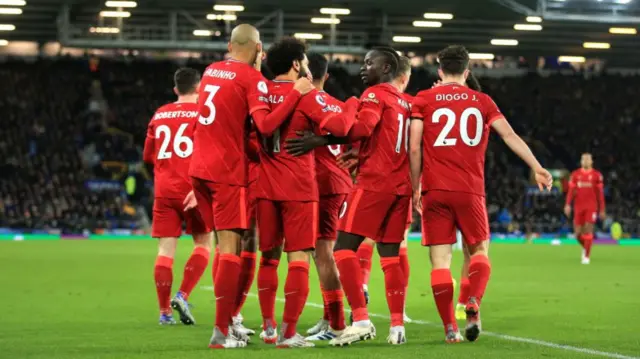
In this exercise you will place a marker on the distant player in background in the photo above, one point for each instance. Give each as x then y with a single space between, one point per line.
449 136
586 193
168 147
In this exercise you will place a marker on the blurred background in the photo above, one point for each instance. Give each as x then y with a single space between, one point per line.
79 81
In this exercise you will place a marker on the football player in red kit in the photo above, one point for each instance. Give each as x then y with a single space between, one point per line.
449 135
230 92
168 147
287 206
586 193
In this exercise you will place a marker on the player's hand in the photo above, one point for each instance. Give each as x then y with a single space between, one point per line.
567 210
303 144
417 201
190 201
303 85
348 159
603 215
544 179
437 84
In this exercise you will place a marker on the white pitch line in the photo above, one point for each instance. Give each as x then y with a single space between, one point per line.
512 338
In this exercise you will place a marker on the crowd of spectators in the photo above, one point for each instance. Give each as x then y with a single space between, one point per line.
52 141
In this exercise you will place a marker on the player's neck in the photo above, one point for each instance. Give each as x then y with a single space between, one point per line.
193 98
241 56
453 80
398 85
319 85
587 169
290 76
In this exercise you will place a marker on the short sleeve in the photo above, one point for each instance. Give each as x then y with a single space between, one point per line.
419 106
257 92
491 110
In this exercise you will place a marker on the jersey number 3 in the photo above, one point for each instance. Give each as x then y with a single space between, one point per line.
178 140
442 139
210 91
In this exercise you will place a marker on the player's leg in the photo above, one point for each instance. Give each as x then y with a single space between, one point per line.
463 294
269 222
439 231
589 217
364 254
406 268
166 227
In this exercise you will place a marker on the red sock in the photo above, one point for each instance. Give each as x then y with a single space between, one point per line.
364 254
588 242
216 262
225 288
463 297
581 240
325 311
395 287
442 286
247 272
163 276
193 270
479 273
334 308
296 291
351 280
404 264
267 288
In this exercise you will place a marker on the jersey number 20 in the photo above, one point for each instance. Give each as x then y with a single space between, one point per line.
442 139
178 140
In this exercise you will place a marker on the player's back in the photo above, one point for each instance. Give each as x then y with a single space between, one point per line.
229 92
383 160
284 177
587 185
455 137
172 131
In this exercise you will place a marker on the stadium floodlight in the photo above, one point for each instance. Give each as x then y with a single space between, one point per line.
419 23
225 17
10 11
7 27
115 14
534 19
437 16
481 56
504 42
334 11
4 42
104 30
232 8
574 59
13 2
412 39
307 36
596 45
527 27
325 20
623 2
121 4
202 33
623 30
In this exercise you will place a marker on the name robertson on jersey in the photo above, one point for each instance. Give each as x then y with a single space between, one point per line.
221 74
175 114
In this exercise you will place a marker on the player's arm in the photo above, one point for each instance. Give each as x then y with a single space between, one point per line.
266 120
149 146
570 194
367 118
415 159
601 201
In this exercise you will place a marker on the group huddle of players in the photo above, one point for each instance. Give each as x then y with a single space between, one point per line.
238 154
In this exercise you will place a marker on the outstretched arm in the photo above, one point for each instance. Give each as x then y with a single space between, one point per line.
415 160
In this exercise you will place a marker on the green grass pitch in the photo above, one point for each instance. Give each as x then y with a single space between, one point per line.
96 299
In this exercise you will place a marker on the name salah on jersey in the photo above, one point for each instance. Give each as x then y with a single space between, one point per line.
276 99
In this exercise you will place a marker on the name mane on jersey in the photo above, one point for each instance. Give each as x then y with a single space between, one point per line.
220 74
175 114
404 103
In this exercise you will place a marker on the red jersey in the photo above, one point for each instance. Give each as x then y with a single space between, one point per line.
169 145
253 154
586 189
456 133
332 179
383 127
284 177
230 91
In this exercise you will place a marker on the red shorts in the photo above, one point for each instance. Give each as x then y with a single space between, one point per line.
168 215
251 205
582 216
330 206
293 223
380 216
410 216
221 206
444 211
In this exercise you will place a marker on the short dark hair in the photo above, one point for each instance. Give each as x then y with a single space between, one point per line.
282 54
318 65
404 66
185 80
391 56
454 59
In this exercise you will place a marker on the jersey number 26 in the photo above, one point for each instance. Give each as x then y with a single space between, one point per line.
178 140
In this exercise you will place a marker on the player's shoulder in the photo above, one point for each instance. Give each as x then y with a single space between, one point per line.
380 93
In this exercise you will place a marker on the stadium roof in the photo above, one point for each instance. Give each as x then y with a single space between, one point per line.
566 26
